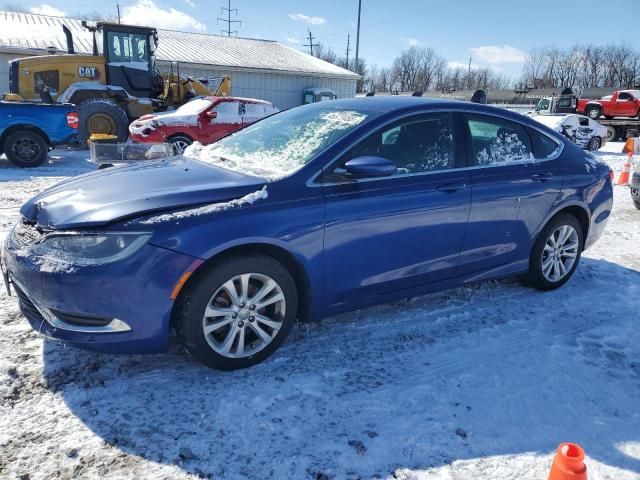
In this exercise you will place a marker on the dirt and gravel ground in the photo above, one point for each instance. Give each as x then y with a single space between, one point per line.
480 382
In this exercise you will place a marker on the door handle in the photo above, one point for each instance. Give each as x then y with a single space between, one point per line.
542 177
450 187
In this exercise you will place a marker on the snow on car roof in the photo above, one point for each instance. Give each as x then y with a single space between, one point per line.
551 121
28 31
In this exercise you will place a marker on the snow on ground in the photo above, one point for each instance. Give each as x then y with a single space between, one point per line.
480 383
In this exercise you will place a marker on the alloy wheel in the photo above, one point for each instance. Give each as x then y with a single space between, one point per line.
179 146
26 149
244 315
560 253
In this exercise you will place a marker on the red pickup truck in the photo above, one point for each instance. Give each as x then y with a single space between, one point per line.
622 103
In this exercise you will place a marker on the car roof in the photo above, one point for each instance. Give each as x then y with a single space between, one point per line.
399 104
214 98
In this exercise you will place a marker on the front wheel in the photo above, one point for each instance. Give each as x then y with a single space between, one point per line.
26 149
556 253
238 312
594 144
179 144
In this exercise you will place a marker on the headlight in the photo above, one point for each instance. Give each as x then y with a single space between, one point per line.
90 248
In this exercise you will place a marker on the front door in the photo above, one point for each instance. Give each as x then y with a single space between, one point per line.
389 234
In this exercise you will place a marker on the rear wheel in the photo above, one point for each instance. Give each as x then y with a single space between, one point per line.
556 253
237 313
26 148
593 112
179 143
612 134
637 204
102 116
594 144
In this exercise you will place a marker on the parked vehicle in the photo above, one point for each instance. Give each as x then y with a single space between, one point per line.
635 185
204 120
314 95
622 103
318 210
29 130
616 127
117 83
581 130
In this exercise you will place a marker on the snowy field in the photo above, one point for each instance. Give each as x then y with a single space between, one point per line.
475 383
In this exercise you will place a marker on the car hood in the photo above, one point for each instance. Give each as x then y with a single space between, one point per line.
112 194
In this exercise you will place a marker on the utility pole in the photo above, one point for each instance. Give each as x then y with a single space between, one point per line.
118 7
358 35
228 20
469 76
347 65
311 44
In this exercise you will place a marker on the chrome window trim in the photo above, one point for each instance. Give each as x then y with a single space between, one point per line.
311 182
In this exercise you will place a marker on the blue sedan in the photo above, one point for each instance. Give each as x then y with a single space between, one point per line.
317 210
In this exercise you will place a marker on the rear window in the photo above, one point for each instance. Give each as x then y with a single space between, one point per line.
497 141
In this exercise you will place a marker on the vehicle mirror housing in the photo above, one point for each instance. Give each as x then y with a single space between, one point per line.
370 167
211 114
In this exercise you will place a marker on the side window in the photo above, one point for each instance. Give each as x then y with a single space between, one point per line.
125 47
228 112
498 142
624 96
418 144
584 122
543 105
543 146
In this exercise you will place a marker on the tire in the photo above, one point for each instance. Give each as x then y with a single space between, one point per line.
612 134
208 291
594 144
26 148
593 112
179 143
536 277
99 115
637 204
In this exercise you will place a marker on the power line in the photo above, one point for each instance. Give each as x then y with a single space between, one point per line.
358 35
228 20
311 44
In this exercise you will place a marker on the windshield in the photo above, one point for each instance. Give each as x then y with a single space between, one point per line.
194 107
278 145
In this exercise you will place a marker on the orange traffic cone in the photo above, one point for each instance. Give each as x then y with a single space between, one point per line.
569 463
623 179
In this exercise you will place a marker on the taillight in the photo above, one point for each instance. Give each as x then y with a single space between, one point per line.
72 119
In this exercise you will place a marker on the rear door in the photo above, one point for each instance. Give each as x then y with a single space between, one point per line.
389 234
511 191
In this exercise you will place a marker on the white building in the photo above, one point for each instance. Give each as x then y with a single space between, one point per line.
262 69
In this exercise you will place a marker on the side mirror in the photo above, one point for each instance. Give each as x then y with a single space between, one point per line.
370 167
211 114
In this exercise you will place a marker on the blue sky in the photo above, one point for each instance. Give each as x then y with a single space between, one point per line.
495 34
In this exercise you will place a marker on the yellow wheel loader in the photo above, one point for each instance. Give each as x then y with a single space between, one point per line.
113 87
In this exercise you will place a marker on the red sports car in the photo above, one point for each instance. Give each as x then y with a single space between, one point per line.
203 120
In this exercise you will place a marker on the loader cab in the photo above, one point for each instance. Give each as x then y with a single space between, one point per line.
129 53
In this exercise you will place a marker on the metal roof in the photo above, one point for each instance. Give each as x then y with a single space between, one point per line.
25 32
